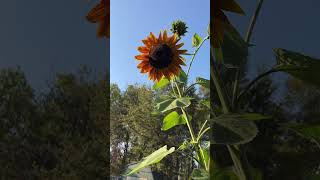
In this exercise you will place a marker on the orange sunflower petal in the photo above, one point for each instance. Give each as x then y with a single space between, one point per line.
160 40
153 37
143 49
147 43
165 36
143 57
179 45
182 51
159 75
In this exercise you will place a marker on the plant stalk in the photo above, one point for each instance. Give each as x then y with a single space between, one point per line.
186 116
195 53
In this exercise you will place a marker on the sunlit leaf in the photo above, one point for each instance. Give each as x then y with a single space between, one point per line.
153 158
171 120
203 82
173 103
298 65
196 40
200 174
205 156
161 84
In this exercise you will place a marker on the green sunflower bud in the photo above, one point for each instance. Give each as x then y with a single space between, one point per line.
179 27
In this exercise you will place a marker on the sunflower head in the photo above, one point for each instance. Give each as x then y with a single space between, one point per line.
101 14
220 22
160 56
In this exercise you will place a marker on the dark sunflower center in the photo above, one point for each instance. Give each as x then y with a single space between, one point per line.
161 56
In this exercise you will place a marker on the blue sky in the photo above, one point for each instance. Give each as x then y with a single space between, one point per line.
133 20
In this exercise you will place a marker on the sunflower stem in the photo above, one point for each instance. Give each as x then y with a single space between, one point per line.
185 115
195 53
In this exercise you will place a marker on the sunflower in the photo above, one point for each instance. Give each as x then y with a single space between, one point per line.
161 56
220 20
101 14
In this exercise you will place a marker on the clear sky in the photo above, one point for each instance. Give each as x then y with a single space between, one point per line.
133 20
47 37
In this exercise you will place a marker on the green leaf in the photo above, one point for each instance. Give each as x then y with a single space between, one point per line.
161 84
205 156
200 174
224 174
206 103
203 82
228 174
173 103
244 116
155 113
234 49
218 55
233 129
310 131
186 144
162 106
256 174
153 158
171 120
182 78
196 40
298 65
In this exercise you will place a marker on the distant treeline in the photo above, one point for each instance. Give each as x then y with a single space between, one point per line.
64 134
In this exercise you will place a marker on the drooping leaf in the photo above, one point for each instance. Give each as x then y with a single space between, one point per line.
200 174
173 103
153 158
196 40
298 65
171 120
203 82
161 84
227 129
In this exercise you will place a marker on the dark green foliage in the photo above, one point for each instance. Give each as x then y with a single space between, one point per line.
59 135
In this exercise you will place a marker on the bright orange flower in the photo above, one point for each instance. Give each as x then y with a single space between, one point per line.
160 56
220 21
101 14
